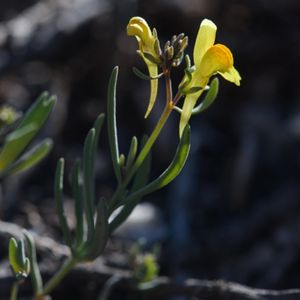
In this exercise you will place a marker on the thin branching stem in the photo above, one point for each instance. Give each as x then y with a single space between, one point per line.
14 291
147 147
58 277
169 93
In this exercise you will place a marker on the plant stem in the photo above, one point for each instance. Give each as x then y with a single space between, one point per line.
141 157
144 152
160 124
14 291
58 277
147 147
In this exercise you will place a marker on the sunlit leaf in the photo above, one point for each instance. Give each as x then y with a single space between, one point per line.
131 153
58 193
101 231
165 178
31 157
35 271
88 167
29 126
111 122
209 98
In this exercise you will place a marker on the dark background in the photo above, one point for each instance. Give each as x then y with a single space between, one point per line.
234 212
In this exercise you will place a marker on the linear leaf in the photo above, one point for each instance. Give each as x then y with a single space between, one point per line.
165 178
87 179
143 76
58 193
143 172
98 127
131 153
12 253
35 116
31 157
139 181
111 122
176 165
89 157
13 142
34 268
79 205
209 98
101 231
21 254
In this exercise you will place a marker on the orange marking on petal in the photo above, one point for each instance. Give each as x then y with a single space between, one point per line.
222 55
217 58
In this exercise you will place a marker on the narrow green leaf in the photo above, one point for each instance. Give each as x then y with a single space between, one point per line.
27 266
89 158
98 127
209 98
143 76
12 253
143 172
21 254
101 231
35 116
139 181
39 110
84 189
131 153
175 167
30 158
165 178
12 143
122 160
58 193
34 268
88 167
79 205
111 123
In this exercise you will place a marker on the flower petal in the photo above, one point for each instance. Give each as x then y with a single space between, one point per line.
188 105
139 28
217 58
152 69
205 39
231 75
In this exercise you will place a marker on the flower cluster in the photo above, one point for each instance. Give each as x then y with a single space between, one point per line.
209 59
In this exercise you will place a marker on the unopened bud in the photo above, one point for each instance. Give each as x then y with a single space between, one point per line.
157 48
170 52
183 43
178 38
173 39
154 32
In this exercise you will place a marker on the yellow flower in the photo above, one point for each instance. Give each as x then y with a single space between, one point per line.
139 28
209 59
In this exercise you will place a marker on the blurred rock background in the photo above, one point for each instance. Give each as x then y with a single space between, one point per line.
234 212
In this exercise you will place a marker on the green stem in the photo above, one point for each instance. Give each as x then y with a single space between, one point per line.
147 147
144 152
14 291
59 276
160 124
141 157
